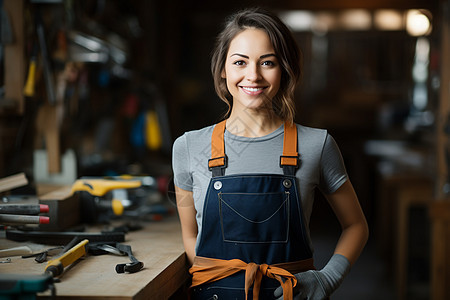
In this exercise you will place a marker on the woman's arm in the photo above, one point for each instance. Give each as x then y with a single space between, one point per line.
355 231
186 212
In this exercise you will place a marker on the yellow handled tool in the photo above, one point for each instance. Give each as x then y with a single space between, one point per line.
99 187
153 132
29 88
56 266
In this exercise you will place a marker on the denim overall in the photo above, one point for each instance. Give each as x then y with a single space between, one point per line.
253 217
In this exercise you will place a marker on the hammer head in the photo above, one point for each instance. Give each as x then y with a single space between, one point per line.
132 267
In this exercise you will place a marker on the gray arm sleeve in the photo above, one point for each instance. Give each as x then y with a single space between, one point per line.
333 173
180 164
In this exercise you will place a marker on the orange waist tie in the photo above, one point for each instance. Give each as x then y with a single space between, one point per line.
206 270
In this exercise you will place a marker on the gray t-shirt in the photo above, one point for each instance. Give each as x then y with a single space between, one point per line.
321 163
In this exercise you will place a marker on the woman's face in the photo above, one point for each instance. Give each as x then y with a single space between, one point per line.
252 70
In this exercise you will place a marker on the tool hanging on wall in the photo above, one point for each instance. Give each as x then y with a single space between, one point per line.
47 69
152 130
30 84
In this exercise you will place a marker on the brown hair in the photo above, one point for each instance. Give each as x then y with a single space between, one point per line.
285 47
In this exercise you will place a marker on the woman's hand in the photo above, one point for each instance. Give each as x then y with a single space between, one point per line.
318 285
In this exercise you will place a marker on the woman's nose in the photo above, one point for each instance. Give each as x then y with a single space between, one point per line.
253 73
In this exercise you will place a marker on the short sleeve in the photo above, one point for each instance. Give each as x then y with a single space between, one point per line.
333 172
180 164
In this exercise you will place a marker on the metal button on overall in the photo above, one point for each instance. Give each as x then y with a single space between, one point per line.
287 183
218 185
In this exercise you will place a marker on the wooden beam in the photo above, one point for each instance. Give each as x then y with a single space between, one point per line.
443 109
367 4
14 61
12 182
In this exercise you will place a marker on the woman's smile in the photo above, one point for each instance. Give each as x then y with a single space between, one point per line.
252 91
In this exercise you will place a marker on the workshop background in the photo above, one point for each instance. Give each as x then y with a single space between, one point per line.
103 88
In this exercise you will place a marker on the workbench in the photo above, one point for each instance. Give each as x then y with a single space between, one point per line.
158 245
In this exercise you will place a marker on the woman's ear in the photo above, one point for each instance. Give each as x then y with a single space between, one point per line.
223 74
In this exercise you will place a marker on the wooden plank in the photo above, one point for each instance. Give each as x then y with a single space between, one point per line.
48 124
440 210
443 109
14 54
440 261
12 182
418 194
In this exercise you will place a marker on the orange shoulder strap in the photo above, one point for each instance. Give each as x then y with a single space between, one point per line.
290 154
218 157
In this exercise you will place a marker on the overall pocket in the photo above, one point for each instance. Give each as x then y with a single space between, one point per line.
254 217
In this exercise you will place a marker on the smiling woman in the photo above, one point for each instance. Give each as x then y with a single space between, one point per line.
249 228
284 48
252 74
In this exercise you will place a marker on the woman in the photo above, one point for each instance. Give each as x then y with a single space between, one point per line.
245 186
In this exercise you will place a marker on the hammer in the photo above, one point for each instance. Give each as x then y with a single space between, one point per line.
132 267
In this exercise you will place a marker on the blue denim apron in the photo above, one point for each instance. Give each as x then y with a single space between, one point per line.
253 217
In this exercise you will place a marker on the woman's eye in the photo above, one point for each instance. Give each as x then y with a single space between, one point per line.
239 63
268 63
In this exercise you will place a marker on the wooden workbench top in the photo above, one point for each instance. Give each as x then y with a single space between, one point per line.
159 246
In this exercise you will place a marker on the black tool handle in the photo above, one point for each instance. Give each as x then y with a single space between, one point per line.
129 268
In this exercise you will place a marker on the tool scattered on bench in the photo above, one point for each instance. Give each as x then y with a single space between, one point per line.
61 238
16 214
56 266
41 257
25 286
134 266
95 204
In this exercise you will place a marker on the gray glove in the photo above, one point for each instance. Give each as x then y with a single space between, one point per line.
318 285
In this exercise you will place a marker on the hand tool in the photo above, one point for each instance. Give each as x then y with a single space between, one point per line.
91 189
153 136
41 257
23 209
49 83
105 248
24 286
29 88
99 187
6 219
132 267
27 249
61 238
56 266
6 261
15 251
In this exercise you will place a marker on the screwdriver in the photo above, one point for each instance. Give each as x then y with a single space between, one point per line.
56 266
